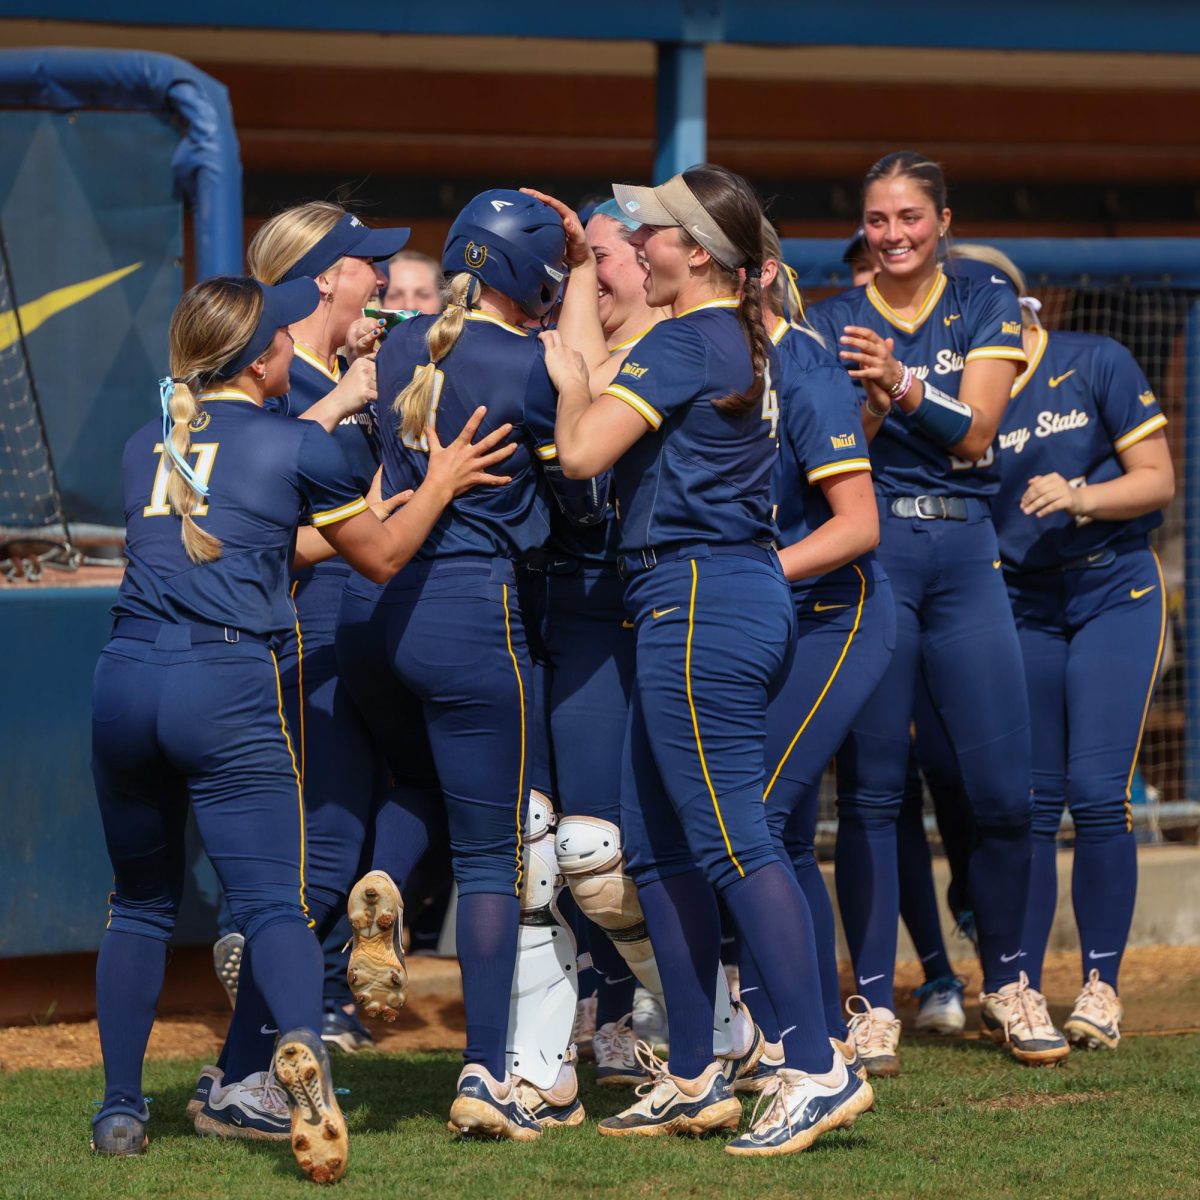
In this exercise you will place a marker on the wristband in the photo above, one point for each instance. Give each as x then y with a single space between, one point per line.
875 412
941 418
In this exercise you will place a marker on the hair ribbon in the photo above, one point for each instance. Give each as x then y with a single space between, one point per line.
166 389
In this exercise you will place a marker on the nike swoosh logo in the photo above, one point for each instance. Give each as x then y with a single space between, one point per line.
35 313
1138 593
997 279
927 957
1059 378
996 564
1107 954
1098 554
662 1108
863 982
819 607
655 613
952 317
267 1032
1007 958
626 624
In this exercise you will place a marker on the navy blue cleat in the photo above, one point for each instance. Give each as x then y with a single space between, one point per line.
120 1133
209 1077
799 1109
669 1105
341 1030
485 1107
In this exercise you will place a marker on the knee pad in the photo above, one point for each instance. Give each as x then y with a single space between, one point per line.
545 989
590 859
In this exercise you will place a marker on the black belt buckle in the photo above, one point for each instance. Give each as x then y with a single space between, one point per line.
637 561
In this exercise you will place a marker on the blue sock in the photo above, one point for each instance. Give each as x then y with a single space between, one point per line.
774 922
486 933
287 969
918 898
685 930
868 891
820 907
1039 909
1103 889
129 978
754 995
999 884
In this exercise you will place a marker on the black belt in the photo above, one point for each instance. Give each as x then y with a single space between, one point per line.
634 562
930 508
142 630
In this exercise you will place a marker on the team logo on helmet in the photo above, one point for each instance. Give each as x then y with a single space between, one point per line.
199 421
474 255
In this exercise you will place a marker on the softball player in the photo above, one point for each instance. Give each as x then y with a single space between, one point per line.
688 426
845 617
187 698
937 351
1085 470
447 689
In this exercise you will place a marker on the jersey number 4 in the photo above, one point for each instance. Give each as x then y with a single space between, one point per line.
771 411
205 454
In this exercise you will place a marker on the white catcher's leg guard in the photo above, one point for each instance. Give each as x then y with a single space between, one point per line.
541 1010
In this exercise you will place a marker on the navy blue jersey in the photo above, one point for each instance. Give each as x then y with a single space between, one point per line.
265 476
970 313
820 431
309 380
495 364
1081 402
700 474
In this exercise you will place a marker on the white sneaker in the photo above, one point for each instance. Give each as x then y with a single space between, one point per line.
650 1020
255 1107
941 1008
616 1060
583 1031
1017 1017
1095 1021
875 1033
800 1107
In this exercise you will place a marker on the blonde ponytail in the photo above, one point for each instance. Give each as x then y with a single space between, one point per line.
415 403
182 492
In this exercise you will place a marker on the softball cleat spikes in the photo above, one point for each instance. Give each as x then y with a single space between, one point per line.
318 1135
376 973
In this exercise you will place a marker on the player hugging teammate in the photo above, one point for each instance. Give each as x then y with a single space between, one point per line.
731 541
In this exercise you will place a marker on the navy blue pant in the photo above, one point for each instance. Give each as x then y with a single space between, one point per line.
1092 640
954 623
845 634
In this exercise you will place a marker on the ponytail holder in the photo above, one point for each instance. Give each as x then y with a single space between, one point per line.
166 389
754 272
1030 303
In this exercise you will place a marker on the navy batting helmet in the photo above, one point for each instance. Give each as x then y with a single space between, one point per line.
510 242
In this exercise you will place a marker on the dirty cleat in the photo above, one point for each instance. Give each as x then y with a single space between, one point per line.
763 1071
486 1107
209 1076
851 1057
255 1108
616 1062
800 1108
742 1063
650 1020
558 1107
120 1133
1095 1021
341 1030
227 962
1016 1017
319 1138
669 1105
875 1034
583 1032
941 1008
376 974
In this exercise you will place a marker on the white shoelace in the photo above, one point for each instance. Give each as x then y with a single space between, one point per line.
1094 1002
617 1041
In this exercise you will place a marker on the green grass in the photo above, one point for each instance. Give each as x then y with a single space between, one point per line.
963 1121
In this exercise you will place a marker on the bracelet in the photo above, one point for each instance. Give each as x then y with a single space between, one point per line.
901 389
876 412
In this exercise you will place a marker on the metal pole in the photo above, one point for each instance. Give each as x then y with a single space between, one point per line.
1191 542
681 126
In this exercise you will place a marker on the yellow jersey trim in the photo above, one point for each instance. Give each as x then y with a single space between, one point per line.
333 515
629 343
648 412
719 302
776 334
1015 353
287 738
310 356
299 674
227 394
546 453
845 467
475 315
890 315
1035 362
696 722
521 701
1136 434
1162 637
862 597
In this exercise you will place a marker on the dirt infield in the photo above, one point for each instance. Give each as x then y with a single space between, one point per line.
1160 986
